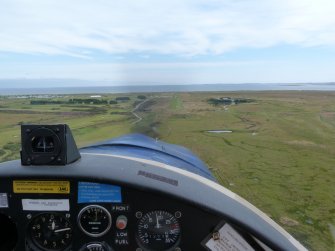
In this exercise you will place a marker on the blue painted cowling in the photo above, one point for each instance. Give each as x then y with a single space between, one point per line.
141 146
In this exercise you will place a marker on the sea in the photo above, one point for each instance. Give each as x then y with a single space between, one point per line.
168 88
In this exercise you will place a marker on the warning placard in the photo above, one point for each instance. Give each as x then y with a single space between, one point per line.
45 205
38 186
3 200
89 192
227 239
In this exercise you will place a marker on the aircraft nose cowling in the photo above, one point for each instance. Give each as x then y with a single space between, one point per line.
142 146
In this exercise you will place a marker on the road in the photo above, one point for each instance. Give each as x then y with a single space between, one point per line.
138 117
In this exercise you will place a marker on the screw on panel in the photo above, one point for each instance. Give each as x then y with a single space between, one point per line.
177 214
138 215
216 236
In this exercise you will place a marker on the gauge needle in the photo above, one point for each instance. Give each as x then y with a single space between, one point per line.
44 144
157 226
62 230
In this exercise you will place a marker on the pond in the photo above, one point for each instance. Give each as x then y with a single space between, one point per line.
219 131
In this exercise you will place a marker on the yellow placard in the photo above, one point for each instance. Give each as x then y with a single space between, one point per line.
39 186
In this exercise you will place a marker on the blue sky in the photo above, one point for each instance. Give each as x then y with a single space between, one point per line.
168 42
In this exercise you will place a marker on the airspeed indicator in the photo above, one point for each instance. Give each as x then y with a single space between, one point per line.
158 230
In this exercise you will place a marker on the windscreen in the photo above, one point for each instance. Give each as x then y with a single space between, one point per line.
247 86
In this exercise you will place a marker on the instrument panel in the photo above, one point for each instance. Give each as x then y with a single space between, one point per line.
129 194
48 209
64 215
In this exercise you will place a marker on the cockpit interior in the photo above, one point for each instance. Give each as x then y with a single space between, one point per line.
132 193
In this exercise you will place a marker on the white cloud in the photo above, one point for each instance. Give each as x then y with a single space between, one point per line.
182 27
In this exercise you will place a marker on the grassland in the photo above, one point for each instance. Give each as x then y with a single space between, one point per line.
280 155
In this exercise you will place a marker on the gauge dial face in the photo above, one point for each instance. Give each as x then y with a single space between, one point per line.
51 231
94 220
158 230
96 246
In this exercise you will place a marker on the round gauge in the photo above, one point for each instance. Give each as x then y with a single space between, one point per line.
96 246
50 231
94 220
158 230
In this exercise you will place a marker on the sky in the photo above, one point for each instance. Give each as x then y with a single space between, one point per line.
116 42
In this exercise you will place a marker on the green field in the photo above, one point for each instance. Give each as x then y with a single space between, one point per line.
279 156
